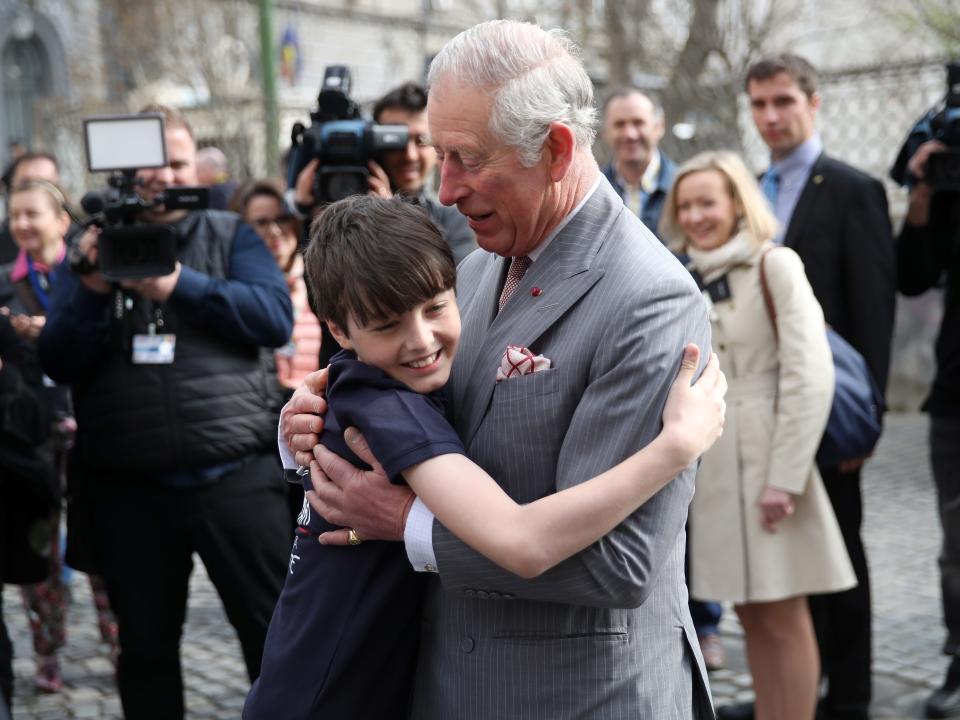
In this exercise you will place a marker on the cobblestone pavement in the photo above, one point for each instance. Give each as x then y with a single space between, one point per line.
901 532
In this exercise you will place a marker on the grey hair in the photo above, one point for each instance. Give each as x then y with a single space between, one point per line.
536 78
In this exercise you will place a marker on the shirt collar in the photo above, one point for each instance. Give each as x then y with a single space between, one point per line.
20 267
651 176
802 158
538 250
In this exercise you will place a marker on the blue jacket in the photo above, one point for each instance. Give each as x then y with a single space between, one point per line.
654 203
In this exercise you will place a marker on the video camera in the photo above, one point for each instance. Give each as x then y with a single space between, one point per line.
342 140
128 249
940 123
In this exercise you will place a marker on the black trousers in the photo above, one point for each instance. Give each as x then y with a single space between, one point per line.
146 534
842 620
945 462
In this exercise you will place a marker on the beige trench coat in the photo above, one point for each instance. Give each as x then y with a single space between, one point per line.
777 408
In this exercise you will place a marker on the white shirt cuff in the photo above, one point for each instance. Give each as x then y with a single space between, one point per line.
418 538
286 457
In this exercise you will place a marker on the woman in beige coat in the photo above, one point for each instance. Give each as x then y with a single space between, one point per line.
762 531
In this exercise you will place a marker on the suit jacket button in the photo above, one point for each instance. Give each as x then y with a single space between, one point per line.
467 644
483 594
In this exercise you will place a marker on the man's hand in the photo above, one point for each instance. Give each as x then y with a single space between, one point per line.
303 188
378 182
301 420
918 210
775 505
89 246
917 165
365 501
157 289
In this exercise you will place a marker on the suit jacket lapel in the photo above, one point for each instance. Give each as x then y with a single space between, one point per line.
564 273
805 203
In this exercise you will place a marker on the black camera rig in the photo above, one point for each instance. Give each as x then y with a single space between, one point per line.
128 248
342 140
941 123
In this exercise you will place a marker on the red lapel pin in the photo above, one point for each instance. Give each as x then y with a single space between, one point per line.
536 292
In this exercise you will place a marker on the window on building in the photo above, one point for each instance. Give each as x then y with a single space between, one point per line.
26 79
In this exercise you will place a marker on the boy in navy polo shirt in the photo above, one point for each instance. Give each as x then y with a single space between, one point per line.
343 639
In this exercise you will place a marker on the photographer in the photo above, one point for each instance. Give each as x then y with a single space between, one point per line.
928 248
403 171
174 404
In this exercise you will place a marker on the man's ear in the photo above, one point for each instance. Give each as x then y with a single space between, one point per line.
560 146
339 335
815 101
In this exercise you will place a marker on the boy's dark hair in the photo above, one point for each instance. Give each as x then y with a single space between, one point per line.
803 73
373 258
409 96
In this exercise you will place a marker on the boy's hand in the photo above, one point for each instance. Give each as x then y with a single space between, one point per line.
301 420
365 501
694 414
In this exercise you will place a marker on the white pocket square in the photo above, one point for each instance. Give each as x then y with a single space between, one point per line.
518 360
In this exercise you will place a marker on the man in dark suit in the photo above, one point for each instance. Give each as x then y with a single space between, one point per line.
835 217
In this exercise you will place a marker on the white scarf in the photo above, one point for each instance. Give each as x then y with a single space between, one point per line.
711 264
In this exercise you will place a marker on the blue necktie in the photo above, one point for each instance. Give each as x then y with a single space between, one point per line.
770 184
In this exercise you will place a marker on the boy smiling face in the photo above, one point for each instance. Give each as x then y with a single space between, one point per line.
416 348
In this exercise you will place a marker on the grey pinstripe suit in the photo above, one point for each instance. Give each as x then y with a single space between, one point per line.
606 634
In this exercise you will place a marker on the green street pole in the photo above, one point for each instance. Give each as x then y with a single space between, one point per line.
268 63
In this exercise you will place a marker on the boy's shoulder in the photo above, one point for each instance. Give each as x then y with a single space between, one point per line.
350 376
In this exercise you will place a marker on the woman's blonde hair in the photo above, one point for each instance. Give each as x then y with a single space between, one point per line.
756 215
54 192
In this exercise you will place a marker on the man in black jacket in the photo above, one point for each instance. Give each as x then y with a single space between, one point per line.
835 217
928 250
176 420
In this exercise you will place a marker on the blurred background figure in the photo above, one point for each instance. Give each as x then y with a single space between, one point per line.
633 125
25 166
261 205
836 219
213 170
762 533
928 252
29 491
39 222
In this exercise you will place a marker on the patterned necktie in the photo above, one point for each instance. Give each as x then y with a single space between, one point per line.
518 266
770 184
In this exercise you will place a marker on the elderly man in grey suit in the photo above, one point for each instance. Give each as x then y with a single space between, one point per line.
566 271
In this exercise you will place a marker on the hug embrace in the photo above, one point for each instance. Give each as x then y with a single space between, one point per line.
547 530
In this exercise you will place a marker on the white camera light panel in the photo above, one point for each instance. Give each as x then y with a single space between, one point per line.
125 142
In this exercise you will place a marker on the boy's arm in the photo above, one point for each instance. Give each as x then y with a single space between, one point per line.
529 539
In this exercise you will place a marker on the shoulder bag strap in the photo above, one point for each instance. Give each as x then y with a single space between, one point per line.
767 297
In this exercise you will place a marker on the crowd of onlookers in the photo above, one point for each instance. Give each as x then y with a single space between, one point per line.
140 453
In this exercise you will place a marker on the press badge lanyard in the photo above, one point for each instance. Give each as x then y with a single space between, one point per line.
153 347
40 282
